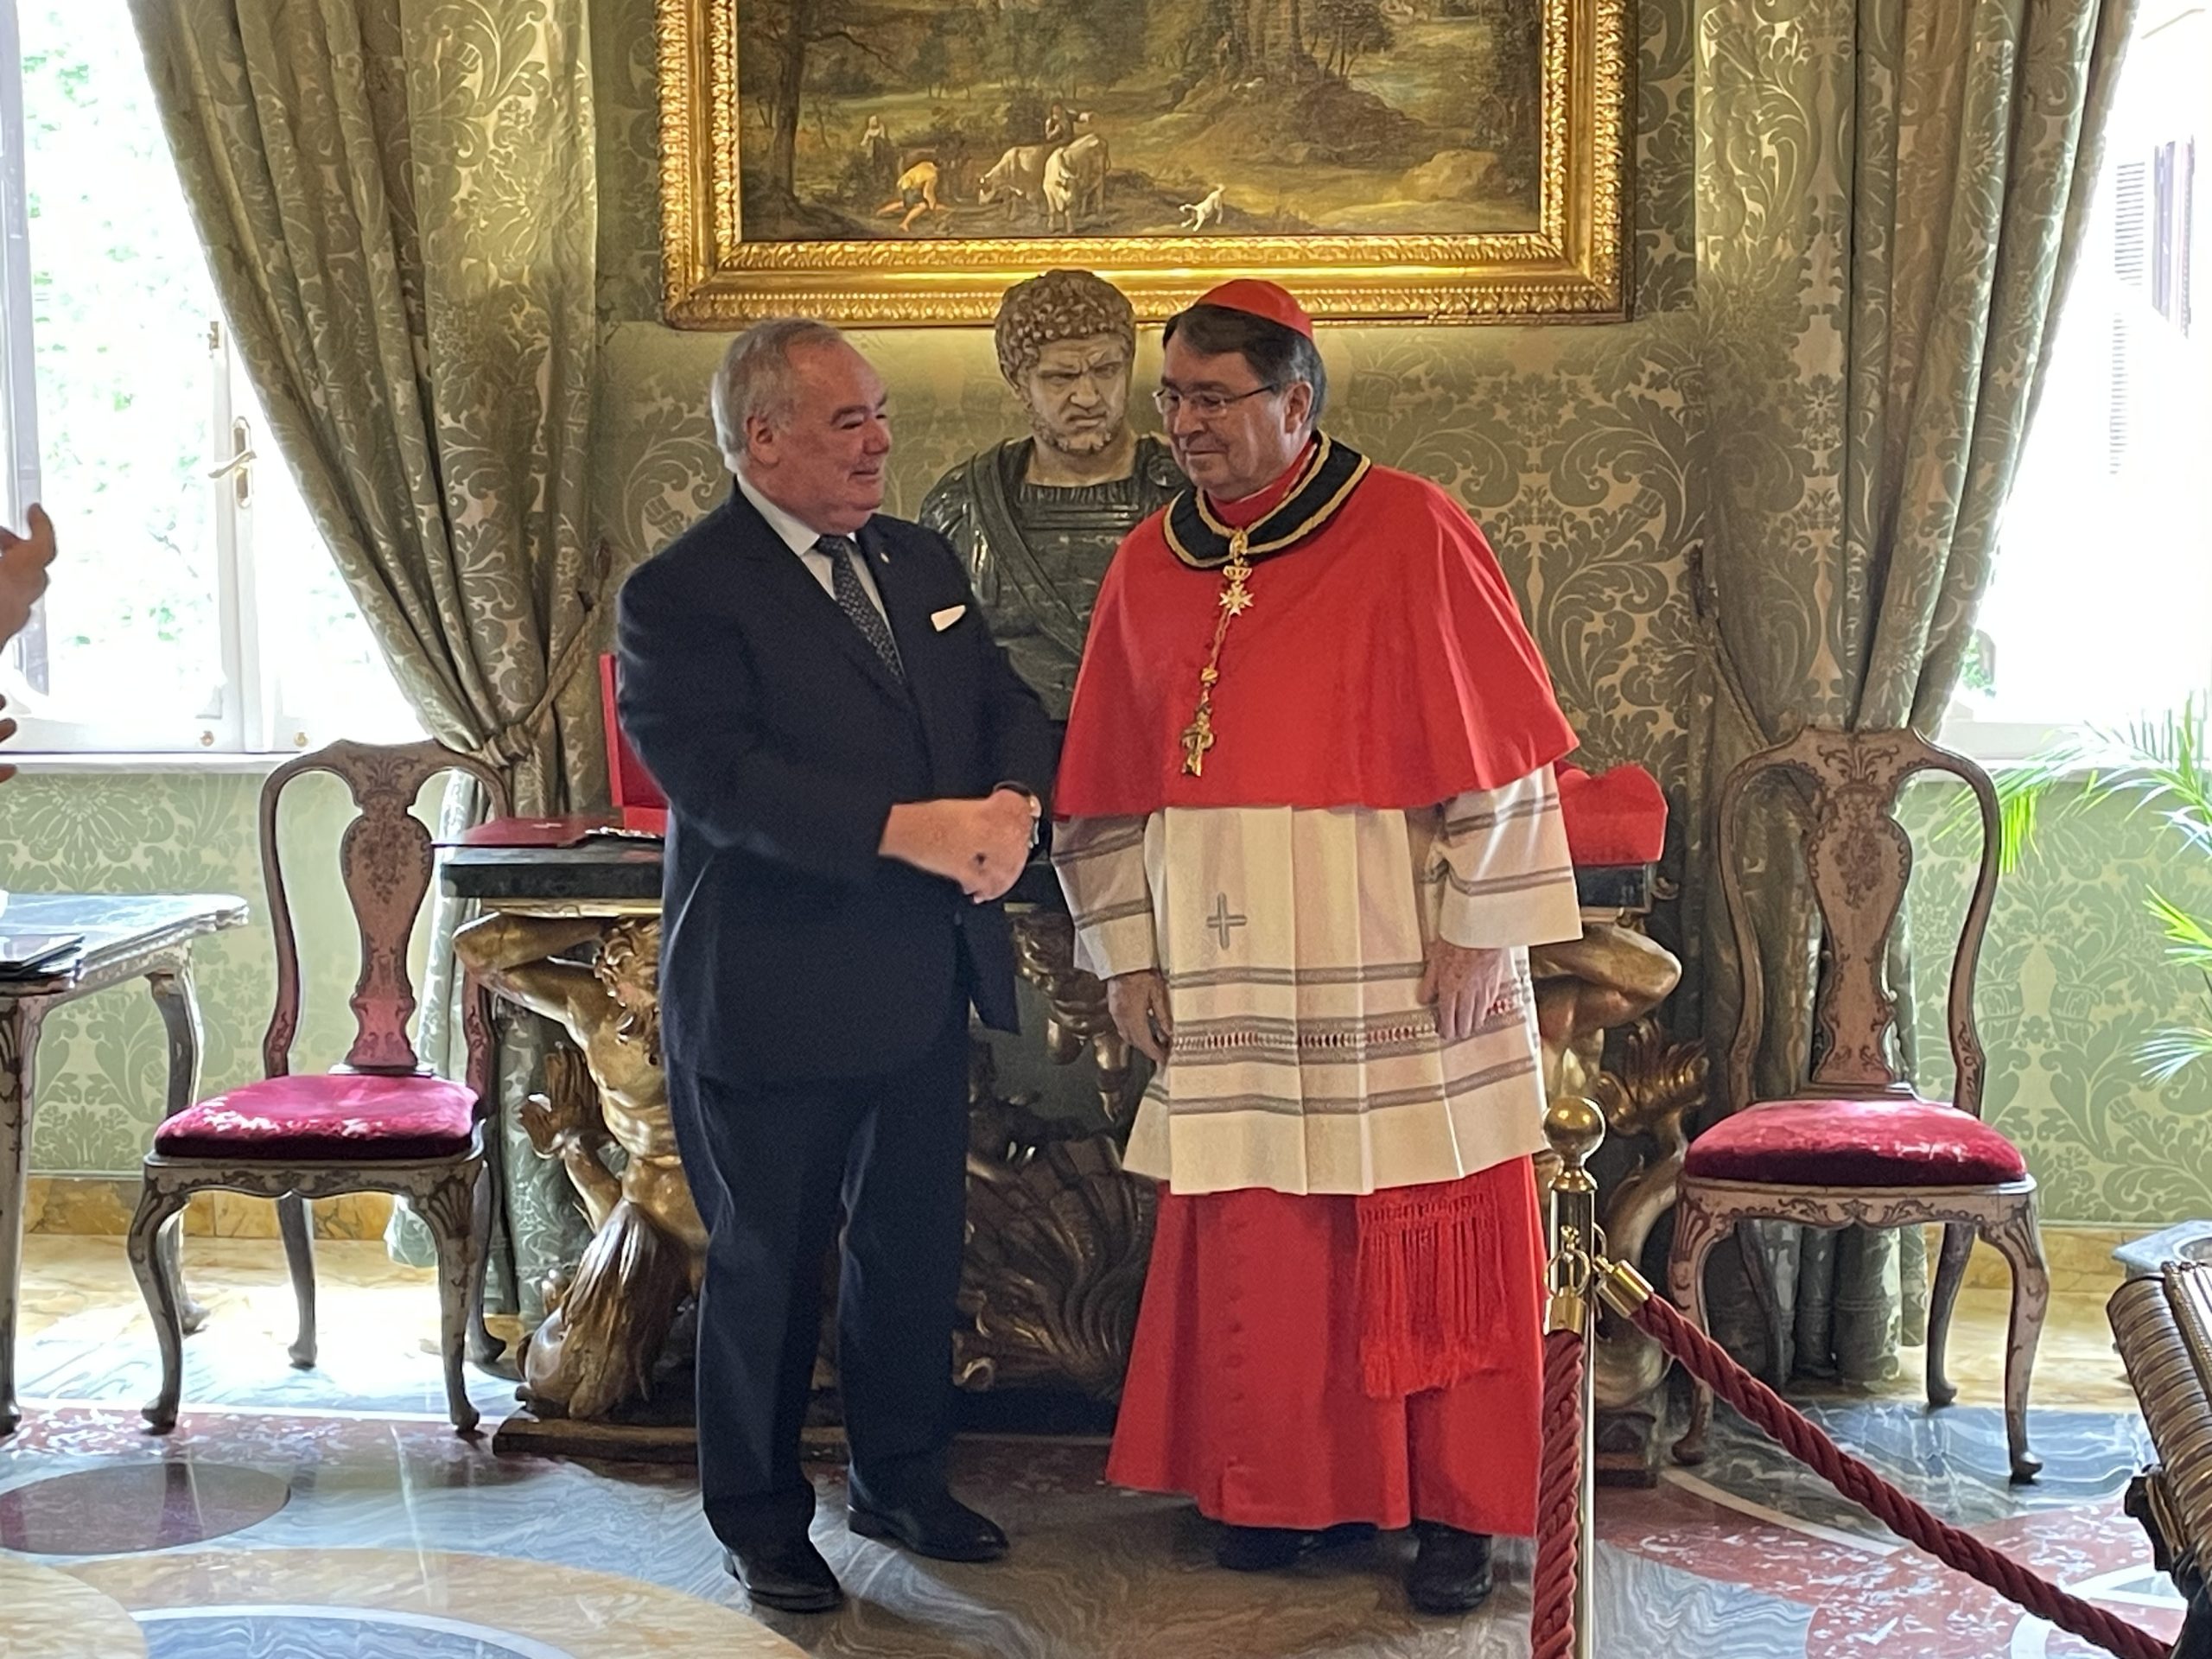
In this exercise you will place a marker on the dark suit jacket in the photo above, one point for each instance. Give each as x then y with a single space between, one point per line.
790 949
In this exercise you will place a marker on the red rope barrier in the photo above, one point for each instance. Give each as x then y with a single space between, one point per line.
1559 1499
1710 1364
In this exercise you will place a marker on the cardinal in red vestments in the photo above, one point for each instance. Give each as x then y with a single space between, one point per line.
1309 828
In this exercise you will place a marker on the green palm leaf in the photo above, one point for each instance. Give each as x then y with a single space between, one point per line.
2175 1050
2160 764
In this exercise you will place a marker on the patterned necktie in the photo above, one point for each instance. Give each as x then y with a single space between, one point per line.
853 600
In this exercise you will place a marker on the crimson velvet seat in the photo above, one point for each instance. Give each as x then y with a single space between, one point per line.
1855 1145
381 1121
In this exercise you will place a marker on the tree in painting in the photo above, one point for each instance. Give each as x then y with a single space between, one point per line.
925 118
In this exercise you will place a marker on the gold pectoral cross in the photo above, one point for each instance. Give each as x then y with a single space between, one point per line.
1236 600
1197 736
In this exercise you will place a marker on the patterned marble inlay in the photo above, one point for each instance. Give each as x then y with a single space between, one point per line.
45 1614
137 1507
327 1633
375 1604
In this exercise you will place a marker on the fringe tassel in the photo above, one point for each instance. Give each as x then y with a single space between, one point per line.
1429 1257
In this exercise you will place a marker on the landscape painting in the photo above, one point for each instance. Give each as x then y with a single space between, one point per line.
932 118
903 160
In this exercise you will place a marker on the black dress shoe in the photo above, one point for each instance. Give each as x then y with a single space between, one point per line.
1451 1572
937 1525
1269 1549
788 1575
1260 1549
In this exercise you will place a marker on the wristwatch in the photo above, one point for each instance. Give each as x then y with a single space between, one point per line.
1036 807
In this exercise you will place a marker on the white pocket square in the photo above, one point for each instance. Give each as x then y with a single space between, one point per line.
944 619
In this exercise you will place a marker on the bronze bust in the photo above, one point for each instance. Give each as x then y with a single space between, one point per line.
1037 518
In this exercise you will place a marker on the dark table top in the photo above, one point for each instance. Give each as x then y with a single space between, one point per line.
625 872
620 869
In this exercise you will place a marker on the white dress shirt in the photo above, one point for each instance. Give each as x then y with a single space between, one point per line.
801 539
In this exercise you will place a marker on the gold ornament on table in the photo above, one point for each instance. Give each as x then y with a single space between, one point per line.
1059 1236
596 1350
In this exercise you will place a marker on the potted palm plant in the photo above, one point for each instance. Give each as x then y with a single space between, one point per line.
2162 765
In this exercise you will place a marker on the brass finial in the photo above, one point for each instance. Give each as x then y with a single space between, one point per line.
1576 1129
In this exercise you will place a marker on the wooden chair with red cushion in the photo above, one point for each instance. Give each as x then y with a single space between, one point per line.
1856 1145
381 1121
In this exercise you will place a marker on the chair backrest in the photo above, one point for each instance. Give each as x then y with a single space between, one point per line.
1859 859
385 859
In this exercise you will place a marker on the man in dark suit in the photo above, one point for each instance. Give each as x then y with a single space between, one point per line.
855 775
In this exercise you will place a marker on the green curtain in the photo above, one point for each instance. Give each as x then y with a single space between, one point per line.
399 206
1890 195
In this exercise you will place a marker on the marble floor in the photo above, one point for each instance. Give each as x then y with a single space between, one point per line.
333 1514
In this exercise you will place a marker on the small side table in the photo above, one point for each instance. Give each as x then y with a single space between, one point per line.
127 936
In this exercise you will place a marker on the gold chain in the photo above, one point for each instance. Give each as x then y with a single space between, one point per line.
1236 600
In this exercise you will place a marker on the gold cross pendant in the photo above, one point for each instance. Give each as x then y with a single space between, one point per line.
1197 737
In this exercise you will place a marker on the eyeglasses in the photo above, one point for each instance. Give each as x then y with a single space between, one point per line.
1206 405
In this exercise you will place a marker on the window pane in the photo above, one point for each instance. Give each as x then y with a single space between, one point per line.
328 680
2101 606
120 307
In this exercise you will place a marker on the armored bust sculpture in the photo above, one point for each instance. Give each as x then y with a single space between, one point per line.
1038 517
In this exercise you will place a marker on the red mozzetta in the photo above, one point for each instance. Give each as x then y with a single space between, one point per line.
1382 663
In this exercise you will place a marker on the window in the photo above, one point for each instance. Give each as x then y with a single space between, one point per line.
193 606
2100 609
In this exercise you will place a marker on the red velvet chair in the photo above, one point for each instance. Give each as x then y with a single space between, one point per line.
381 1121
1856 1145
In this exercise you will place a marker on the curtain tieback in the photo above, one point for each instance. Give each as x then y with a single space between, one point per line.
512 743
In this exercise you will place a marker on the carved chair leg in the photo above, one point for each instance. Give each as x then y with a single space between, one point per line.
1950 1274
1751 1247
143 1244
2020 1241
485 1350
296 1223
493 1220
450 1210
1697 1230
193 1316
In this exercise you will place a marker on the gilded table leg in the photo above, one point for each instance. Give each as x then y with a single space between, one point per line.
19 1023
180 1005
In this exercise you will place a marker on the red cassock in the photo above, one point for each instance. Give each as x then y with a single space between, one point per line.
1384 665
1244 1386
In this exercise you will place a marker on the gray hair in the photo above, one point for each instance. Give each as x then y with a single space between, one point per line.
756 380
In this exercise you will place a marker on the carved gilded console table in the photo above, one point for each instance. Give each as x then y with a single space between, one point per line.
1058 1234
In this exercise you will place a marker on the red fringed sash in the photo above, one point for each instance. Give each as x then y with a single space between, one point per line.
1430 1259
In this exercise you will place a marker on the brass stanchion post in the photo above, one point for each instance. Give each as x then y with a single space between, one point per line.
1575 1127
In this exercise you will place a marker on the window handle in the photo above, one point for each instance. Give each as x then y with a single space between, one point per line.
239 468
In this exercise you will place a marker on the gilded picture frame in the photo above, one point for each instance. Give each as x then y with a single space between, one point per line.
768 194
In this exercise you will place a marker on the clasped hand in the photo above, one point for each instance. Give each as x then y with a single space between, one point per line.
982 844
1463 983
